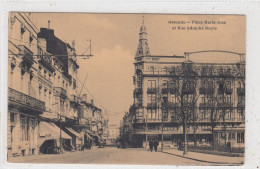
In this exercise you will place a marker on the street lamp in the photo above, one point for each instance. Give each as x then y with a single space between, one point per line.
60 129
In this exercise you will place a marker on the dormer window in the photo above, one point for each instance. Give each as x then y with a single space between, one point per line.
40 69
22 30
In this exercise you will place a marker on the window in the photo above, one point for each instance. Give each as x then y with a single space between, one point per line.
139 99
151 98
173 98
221 87
74 84
204 115
203 99
203 71
210 71
228 99
139 114
241 114
45 72
139 84
12 117
220 71
228 71
165 84
151 114
210 84
228 85
165 115
203 83
240 137
40 69
151 84
24 128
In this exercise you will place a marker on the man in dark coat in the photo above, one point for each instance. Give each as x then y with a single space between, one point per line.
155 145
151 145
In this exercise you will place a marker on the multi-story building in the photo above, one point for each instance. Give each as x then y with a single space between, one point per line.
25 103
171 91
45 107
113 132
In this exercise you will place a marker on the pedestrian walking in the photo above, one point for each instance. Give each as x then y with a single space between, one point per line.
151 145
155 145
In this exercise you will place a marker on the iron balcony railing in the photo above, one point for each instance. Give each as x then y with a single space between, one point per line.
138 105
206 105
241 91
25 100
151 105
170 104
241 105
27 53
151 90
188 90
206 90
165 90
138 90
228 90
59 91
171 90
45 58
74 98
225 105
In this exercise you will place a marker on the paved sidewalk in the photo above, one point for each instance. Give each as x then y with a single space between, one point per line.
28 158
209 158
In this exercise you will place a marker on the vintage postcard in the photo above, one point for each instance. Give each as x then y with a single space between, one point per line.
143 89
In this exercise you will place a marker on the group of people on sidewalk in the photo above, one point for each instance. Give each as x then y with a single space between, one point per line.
153 144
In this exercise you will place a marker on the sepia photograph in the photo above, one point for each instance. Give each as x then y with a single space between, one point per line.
126 89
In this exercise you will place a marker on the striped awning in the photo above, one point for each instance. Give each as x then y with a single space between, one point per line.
73 132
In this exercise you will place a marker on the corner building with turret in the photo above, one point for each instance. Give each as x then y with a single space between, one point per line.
210 95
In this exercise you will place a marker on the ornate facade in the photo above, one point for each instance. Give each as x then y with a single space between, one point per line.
172 90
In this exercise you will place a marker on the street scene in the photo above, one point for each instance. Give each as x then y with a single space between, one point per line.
143 89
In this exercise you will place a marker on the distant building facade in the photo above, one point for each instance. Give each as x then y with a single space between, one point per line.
113 132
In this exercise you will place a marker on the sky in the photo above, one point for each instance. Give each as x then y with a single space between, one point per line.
114 43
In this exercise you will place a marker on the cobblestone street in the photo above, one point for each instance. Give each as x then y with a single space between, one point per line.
111 155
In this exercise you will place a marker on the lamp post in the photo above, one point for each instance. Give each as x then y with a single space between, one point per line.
60 128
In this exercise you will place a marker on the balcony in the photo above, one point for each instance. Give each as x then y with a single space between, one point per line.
74 99
241 91
206 90
188 90
228 90
170 104
202 90
60 92
24 101
173 90
206 105
224 105
138 90
151 105
27 53
241 105
138 105
165 90
151 90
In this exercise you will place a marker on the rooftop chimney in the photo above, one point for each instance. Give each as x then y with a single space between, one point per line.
84 97
49 24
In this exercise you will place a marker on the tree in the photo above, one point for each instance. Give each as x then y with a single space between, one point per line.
184 80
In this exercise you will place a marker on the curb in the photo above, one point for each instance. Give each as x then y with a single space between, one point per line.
201 160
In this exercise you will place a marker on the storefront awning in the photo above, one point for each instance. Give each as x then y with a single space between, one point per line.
49 130
89 136
74 132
